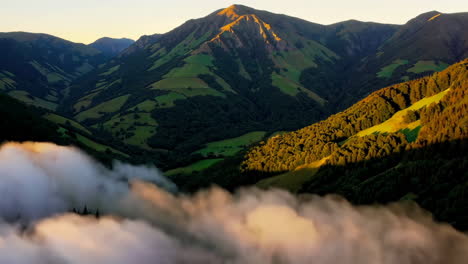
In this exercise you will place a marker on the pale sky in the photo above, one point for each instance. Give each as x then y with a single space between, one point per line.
87 20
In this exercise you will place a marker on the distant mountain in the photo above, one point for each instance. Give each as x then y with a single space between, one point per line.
38 68
408 141
111 46
432 35
430 42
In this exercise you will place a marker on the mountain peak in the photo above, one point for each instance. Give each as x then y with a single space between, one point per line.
111 46
103 39
244 23
235 11
428 16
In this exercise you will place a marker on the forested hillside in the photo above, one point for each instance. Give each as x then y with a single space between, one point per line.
324 138
406 141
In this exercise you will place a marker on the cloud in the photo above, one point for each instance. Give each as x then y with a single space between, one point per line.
144 223
41 179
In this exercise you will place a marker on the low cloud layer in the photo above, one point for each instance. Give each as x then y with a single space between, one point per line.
144 223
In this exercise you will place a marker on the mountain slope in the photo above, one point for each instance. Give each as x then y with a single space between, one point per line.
37 68
406 141
430 42
442 36
234 71
18 120
111 46
321 139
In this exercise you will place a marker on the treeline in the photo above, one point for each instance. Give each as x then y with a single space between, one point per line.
19 122
333 135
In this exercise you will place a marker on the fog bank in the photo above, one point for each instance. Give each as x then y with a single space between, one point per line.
144 223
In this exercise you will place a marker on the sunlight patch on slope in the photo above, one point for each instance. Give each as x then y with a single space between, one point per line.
264 28
230 12
396 123
434 17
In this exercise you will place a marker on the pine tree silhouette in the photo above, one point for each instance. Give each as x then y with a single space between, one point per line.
85 211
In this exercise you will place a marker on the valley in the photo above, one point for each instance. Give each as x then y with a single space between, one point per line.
211 101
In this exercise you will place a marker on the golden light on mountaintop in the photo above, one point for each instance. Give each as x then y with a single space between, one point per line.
434 17
264 28
230 12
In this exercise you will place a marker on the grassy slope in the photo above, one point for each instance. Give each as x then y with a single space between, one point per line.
60 120
224 148
138 128
145 106
25 97
232 146
183 48
97 146
292 88
186 86
197 166
387 71
110 106
168 100
424 66
111 70
293 62
184 80
6 81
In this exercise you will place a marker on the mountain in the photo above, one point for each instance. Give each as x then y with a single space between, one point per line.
408 141
432 35
232 72
38 68
430 42
240 71
111 46
209 88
